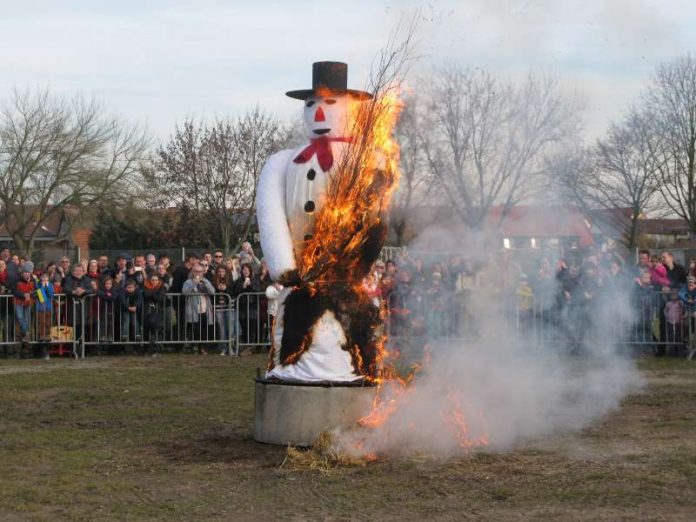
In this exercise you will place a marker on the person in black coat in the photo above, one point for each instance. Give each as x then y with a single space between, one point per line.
248 312
131 305
675 272
154 296
181 273
108 297
78 288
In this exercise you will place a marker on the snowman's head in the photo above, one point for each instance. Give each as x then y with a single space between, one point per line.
327 114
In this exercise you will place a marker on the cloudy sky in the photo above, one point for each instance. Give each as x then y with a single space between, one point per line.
158 61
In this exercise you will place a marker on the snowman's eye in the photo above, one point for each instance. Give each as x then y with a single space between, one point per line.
310 103
330 101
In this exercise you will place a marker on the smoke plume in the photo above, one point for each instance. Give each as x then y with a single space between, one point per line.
502 386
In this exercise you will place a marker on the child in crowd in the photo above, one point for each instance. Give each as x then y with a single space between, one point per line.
688 296
131 301
674 311
107 297
23 300
658 273
44 308
525 303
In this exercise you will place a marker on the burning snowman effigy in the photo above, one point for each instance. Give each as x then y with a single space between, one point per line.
320 212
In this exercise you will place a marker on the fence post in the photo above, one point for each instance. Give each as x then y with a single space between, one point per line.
228 326
82 328
236 323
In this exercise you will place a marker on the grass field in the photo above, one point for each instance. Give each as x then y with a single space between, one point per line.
170 439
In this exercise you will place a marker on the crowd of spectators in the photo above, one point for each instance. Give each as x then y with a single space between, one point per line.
565 299
144 300
139 300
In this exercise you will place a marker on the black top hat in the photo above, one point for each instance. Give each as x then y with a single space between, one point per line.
332 76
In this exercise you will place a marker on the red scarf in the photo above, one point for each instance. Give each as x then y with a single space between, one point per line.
322 148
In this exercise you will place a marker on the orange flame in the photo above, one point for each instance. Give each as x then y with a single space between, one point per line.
350 226
358 195
396 394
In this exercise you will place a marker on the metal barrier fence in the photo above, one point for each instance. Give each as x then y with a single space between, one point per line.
140 323
254 324
93 323
149 323
643 320
46 325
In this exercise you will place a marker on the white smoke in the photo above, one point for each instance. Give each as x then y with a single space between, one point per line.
502 388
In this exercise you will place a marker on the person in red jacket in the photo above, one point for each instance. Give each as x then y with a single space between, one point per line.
24 299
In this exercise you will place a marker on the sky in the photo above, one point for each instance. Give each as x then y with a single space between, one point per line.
157 62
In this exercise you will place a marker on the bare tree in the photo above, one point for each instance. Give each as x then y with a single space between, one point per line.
618 173
210 172
57 153
670 104
416 183
486 140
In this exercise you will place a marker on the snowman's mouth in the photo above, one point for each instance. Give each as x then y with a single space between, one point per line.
321 131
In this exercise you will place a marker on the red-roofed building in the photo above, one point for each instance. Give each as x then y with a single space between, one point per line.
59 233
528 226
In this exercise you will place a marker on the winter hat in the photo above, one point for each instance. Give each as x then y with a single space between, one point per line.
28 266
437 275
690 279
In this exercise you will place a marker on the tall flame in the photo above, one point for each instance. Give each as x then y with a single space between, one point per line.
358 195
350 228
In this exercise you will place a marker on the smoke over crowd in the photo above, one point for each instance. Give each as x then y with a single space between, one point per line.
502 385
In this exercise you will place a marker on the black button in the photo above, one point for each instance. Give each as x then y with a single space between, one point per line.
308 237
311 174
309 206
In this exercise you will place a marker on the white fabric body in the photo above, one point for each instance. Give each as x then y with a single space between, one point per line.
325 360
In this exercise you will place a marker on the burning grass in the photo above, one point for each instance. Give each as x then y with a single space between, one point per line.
323 455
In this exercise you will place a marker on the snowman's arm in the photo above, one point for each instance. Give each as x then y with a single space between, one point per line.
272 217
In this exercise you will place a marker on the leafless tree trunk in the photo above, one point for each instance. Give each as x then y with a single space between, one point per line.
416 184
57 153
671 111
619 172
486 140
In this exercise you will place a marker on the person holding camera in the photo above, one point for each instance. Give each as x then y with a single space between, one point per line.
248 312
225 318
199 308
120 272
